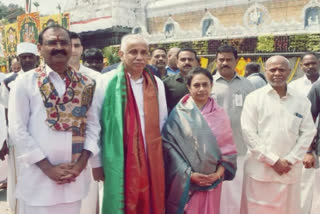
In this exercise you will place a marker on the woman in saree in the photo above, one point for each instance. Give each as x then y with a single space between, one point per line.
199 150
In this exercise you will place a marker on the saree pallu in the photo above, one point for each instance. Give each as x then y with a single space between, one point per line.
195 141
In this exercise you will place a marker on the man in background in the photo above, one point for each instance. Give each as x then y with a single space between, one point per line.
172 67
93 58
252 73
159 60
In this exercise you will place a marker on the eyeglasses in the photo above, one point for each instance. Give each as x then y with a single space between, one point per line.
135 53
54 43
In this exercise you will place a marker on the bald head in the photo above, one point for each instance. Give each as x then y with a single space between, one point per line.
172 57
278 59
277 71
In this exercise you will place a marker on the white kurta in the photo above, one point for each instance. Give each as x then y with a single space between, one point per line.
3 136
34 141
303 85
90 204
274 128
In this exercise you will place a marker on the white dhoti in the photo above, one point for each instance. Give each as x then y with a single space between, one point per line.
316 193
231 191
259 197
307 185
66 208
3 135
90 204
12 181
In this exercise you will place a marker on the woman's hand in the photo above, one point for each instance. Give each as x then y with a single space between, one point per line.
200 179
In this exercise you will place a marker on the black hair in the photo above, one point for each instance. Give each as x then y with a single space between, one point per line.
92 53
158 49
40 38
252 68
227 49
74 35
187 49
198 70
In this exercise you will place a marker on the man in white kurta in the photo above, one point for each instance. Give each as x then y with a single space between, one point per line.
48 181
309 181
28 56
278 129
90 203
134 54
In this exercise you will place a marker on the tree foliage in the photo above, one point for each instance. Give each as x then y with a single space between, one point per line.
10 12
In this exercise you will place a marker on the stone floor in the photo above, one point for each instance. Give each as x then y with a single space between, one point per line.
4 208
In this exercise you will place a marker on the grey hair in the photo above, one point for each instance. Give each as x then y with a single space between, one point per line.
129 38
279 56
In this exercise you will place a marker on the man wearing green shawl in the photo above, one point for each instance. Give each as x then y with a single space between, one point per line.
131 105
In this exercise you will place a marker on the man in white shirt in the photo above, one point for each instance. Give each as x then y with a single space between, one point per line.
278 129
51 130
89 204
132 105
77 50
310 66
230 90
28 58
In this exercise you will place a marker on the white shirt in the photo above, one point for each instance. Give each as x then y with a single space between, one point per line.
302 85
89 72
256 80
4 92
137 88
34 141
274 128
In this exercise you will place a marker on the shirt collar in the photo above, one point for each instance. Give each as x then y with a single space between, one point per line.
137 81
218 76
269 89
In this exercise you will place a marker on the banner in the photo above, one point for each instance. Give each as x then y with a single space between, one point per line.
65 20
2 46
50 20
11 39
28 27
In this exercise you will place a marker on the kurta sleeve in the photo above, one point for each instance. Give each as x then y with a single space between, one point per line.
249 124
28 150
93 129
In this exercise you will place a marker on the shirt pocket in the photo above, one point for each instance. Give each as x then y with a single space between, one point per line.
293 124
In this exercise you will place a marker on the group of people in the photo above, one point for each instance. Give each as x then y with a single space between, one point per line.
156 133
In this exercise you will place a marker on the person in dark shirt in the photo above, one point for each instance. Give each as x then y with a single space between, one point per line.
175 85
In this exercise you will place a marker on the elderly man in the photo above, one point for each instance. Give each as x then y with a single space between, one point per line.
93 58
230 90
159 60
278 129
51 130
15 65
172 67
176 85
310 66
132 105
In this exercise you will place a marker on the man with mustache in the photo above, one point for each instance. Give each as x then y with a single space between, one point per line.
230 90
52 130
278 128
159 60
310 66
28 58
175 85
